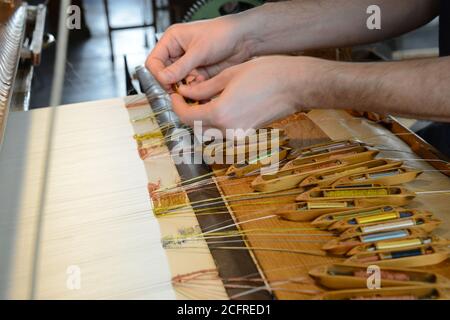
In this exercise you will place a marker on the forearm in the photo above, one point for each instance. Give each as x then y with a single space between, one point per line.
291 26
417 89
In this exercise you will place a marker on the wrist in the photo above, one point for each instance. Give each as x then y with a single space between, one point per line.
235 35
309 82
248 30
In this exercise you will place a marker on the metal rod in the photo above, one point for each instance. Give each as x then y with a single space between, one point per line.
61 55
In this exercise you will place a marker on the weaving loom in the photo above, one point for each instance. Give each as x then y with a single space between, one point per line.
75 192
93 205
300 246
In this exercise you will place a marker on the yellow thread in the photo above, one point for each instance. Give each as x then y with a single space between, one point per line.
161 203
143 118
377 218
398 244
148 136
143 138
326 205
186 208
355 193
354 215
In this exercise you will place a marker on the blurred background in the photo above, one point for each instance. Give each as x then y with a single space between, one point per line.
117 35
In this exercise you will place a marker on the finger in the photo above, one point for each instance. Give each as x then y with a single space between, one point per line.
188 114
155 66
207 89
195 76
165 51
190 78
199 78
200 74
215 69
178 70
159 56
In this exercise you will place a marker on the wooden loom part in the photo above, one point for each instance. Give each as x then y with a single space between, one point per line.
384 177
374 191
241 152
262 138
410 242
384 214
326 220
342 276
251 165
324 148
346 158
312 204
424 222
392 293
425 255
266 134
357 148
334 154
286 179
427 228
344 245
290 257
333 177
368 195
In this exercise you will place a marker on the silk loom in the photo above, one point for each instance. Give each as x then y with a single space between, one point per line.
350 192
91 185
93 206
94 186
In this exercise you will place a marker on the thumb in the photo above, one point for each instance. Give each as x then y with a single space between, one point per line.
178 70
189 114
207 89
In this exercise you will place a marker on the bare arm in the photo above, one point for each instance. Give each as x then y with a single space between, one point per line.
261 90
206 48
415 89
314 24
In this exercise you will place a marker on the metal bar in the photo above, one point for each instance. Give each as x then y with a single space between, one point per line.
11 39
38 35
108 22
61 55
131 27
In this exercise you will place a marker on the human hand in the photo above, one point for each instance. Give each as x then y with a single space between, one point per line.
250 95
199 49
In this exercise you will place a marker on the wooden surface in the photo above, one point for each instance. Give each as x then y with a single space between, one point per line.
73 197
306 130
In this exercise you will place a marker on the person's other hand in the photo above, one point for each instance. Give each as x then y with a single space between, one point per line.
198 49
250 95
